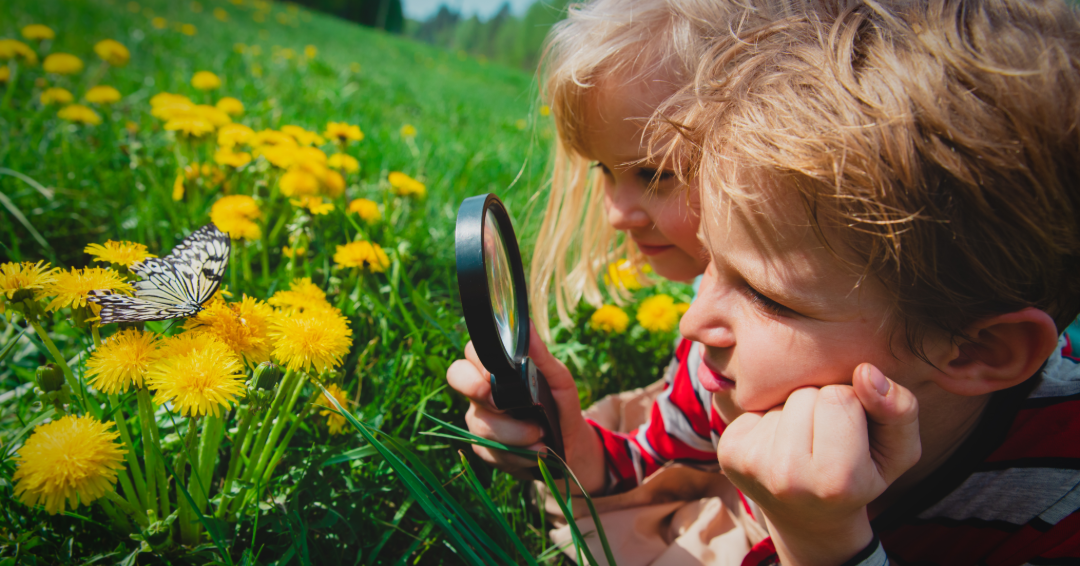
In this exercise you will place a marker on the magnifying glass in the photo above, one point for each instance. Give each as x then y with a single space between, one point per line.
495 299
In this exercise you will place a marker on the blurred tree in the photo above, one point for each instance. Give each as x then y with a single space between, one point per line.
503 38
381 14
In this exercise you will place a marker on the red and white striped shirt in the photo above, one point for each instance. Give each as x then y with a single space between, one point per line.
1009 496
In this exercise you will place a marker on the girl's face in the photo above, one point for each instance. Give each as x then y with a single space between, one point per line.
663 223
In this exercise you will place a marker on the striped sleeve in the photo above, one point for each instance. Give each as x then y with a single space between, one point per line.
681 428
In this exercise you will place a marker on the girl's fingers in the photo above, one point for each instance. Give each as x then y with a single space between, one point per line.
502 428
464 378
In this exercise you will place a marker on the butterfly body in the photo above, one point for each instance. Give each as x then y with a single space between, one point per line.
174 286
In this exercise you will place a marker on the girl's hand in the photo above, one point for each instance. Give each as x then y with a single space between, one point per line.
584 451
815 463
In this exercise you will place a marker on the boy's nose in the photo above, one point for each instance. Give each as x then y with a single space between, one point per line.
705 321
624 208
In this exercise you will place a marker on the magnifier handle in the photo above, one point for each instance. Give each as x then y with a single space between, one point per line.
545 412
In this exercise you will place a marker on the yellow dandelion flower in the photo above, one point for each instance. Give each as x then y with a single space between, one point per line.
298 182
272 138
167 98
112 52
310 51
624 274
205 80
362 254
178 188
38 32
658 313
70 461
226 156
236 214
302 136
315 205
230 106
335 420
545 110
342 132
25 276
71 288
79 113
13 48
189 30
5 73
313 156
190 125
408 131
120 253
62 64
243 326
368 210
205 380
56 95
609 318
404 185
102 94
316 339
280 156
290 253
333 184
302 295
234 134
221 14
122 361
159 23
344 162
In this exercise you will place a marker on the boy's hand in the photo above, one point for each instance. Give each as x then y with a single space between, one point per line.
584 452
816 462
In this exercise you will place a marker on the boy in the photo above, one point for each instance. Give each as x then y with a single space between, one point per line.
889 198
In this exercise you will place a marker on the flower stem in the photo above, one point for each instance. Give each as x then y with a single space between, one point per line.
284 444
234 459
188 535
117 519
155 469
281 407
132 460
127 508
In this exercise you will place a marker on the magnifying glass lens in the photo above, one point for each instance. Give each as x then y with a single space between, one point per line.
500 285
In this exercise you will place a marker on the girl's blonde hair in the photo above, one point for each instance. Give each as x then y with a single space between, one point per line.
627 39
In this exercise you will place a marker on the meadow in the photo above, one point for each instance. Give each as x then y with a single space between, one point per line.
303 415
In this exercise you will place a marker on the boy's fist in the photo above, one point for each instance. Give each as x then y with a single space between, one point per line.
815 463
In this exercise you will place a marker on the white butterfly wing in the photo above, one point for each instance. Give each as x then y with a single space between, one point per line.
173 286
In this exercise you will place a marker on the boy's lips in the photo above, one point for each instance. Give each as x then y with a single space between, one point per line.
648 249
713 380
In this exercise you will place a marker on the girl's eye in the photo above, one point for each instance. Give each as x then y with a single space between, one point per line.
766 304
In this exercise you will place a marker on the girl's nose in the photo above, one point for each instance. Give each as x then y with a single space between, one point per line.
625 210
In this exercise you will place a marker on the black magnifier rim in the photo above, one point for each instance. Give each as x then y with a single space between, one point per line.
473 284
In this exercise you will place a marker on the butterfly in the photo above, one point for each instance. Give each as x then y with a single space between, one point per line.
174 286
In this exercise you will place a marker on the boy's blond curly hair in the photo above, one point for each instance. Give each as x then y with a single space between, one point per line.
940 139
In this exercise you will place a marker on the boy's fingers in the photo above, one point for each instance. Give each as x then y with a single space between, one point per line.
893 421
470 354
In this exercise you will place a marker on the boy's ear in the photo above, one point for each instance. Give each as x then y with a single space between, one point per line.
1001 351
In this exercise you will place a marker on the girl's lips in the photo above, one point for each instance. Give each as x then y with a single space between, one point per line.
713 381
652 250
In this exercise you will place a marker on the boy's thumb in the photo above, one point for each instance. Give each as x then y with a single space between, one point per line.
892 413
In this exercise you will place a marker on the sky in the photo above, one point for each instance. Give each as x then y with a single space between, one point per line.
422 9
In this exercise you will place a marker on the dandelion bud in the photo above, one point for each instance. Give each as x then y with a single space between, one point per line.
267 375
22 295
50 378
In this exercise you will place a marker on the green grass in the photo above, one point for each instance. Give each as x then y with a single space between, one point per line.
331 499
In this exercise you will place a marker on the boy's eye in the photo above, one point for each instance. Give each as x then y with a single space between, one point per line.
647 175
766 304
